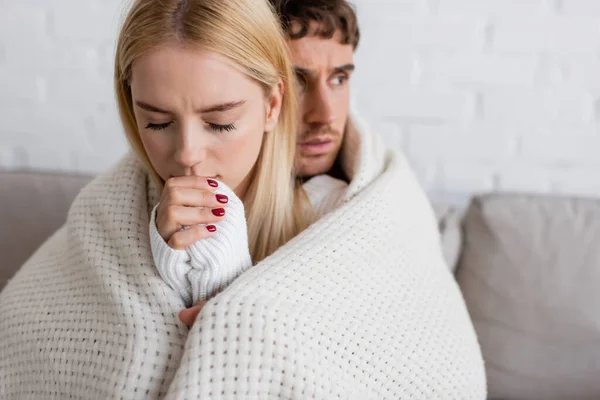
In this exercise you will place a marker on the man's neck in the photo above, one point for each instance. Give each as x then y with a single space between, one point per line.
337 171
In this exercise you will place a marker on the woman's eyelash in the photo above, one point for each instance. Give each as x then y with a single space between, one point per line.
214 127
159 127
222 128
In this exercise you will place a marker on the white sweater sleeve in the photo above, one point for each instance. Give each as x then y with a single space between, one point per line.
221 258
209 265
172 264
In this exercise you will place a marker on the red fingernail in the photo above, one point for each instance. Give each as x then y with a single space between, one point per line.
221 198
212 183
219 212
211 228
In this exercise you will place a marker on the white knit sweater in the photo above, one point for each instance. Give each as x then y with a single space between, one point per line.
209 265
358 306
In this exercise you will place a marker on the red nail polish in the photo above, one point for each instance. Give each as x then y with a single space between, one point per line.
221 198
212 183
219 212
211 228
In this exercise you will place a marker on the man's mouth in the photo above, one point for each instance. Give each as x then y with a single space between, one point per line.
317 145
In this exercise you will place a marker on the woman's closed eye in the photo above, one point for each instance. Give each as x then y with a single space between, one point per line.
221 128
213 127
159 127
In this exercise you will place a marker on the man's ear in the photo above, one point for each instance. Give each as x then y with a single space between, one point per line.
274 104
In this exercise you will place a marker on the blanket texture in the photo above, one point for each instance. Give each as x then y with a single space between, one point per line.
358 306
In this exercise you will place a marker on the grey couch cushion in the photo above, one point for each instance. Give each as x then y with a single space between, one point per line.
32 207
530 274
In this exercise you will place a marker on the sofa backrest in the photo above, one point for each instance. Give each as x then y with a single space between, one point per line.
32 206
530 272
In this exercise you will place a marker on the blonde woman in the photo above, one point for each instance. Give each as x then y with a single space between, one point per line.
356 302
213 117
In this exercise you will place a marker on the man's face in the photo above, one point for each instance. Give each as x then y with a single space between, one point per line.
323 68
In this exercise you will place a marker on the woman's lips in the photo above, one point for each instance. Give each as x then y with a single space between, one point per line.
216 177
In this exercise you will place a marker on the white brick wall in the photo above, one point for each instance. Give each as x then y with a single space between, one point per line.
480 94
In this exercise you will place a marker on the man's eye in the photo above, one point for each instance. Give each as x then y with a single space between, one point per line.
301 83
339 80
159 127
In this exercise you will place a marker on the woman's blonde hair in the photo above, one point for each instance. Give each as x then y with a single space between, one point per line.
248 33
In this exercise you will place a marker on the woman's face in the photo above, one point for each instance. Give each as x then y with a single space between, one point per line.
199 115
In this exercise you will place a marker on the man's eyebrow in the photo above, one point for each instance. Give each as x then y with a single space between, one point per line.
336 70
344 68
215 108
302 71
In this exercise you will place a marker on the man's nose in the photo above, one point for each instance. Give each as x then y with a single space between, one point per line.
191 146
321 106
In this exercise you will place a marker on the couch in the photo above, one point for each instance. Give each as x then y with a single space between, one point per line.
528 267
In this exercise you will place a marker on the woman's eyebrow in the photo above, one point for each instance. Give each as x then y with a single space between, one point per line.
222 107
214 108
151 108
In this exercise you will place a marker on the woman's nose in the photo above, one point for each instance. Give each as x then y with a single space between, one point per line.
190 149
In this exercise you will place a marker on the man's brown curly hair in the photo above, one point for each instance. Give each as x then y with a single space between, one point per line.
327 17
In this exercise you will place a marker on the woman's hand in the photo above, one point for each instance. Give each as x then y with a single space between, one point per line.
189 315
194 257
188 209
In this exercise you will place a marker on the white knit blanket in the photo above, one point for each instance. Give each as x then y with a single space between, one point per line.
358 306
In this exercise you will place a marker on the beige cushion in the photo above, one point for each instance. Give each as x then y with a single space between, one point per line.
530 274
32 207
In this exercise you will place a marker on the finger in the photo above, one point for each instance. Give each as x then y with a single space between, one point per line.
196 182
184 238
176 217
192 197
189 315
